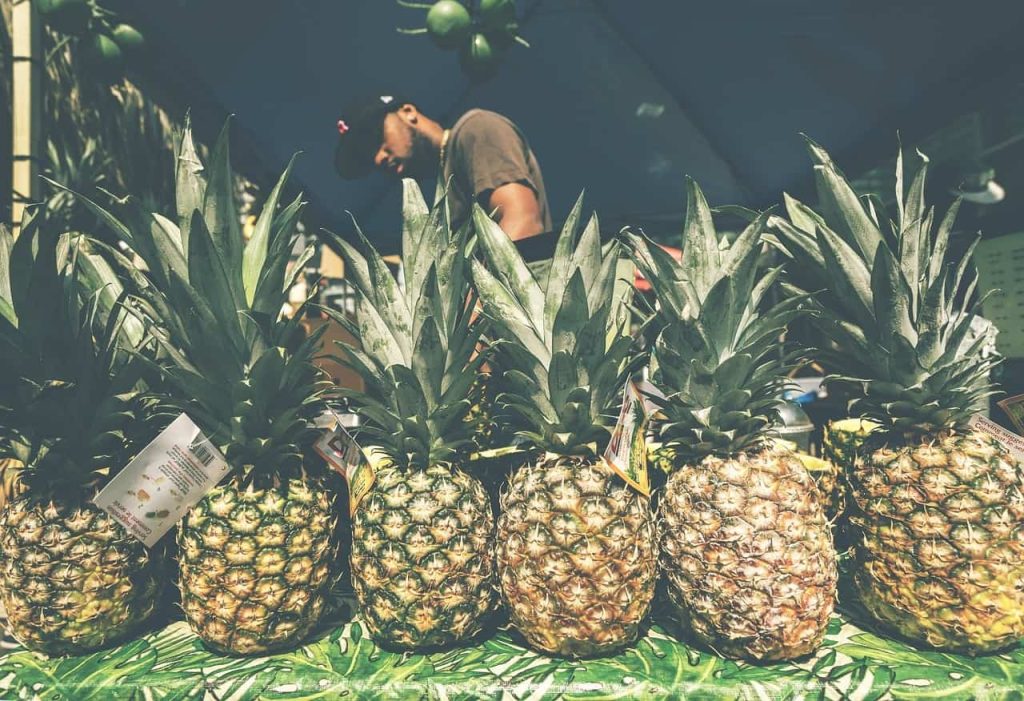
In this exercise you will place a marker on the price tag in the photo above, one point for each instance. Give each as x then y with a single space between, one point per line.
152 493
626 453
344 455
1013 442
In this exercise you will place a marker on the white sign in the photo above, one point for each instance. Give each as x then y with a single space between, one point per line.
1013 442
155 489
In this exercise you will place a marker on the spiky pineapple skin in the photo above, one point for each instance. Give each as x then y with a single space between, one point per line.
577 557
747 555
941 552
841 441
257 565
73 579
423 557
829 482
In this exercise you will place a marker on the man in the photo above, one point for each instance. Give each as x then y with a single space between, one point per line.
483 155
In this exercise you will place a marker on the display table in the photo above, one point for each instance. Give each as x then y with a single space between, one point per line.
170 663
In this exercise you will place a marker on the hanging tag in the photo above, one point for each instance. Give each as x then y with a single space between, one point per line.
649 393
1014 408
1013 442
151 494
626 453
344 455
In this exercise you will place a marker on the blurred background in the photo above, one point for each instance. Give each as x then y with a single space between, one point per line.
620 99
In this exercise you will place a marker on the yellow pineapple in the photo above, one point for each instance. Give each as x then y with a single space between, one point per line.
258 554
72 579
576 545
938 506
423 537
746 547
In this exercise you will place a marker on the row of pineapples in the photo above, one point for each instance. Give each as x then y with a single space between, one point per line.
739 532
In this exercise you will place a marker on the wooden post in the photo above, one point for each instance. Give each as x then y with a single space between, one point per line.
26 107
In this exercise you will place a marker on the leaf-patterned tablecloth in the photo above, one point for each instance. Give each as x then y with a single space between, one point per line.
171 663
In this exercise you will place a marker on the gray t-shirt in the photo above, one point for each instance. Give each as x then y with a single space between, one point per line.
485 151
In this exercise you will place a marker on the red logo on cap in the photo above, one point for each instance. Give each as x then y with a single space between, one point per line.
342 126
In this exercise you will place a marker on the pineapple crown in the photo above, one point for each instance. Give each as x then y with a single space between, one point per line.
226 355
417 345
69 390
718 356
897 307
560 345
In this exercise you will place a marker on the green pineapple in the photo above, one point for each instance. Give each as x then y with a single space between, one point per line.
746 548
576 546
422 537
72 579
938 506
258 554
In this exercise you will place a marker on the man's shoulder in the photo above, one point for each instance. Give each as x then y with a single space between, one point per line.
481 121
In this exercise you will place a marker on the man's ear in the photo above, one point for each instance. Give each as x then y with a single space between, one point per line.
409 113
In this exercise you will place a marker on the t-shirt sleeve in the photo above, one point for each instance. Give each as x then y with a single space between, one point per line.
491 153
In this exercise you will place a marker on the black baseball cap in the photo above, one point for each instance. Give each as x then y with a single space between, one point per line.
360 133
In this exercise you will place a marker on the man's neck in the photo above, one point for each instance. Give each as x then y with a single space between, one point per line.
434 133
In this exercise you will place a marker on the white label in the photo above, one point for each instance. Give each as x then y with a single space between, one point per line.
157 487
1013 442
649 393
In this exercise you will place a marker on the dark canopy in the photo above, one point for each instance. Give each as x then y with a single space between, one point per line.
622 98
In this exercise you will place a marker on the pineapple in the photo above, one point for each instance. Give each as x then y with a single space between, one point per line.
72 579
840 444
423 536
827 478
938 506
258 554
843 439
576 546
746 548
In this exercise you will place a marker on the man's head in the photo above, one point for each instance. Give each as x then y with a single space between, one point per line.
389 134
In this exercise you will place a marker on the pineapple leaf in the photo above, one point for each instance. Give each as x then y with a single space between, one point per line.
505 312
571 318
891 296
209 276
850 277
255 254
843 208
587 255
428 362
700 244
270 290
220 214
510 268
561 263
190 183
937 259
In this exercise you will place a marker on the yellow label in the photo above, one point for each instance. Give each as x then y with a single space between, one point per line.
344 455
626 453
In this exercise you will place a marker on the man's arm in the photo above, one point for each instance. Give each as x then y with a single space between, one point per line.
516 210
